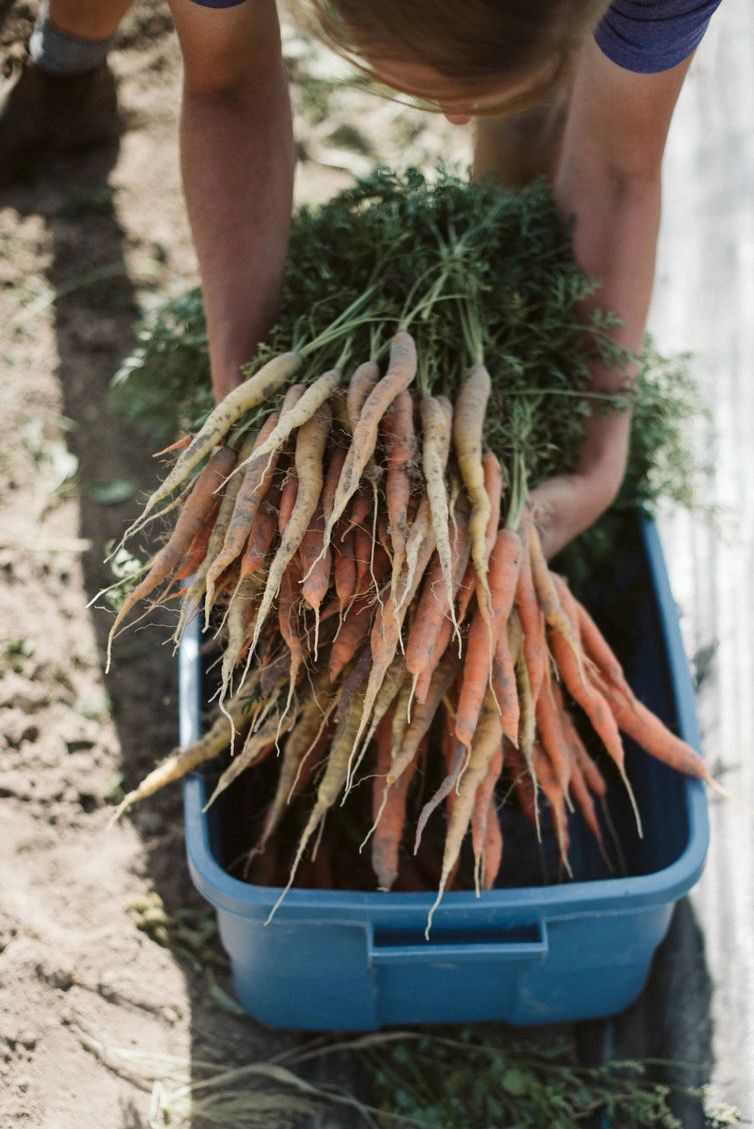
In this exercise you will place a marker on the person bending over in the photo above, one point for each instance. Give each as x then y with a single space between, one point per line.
580 90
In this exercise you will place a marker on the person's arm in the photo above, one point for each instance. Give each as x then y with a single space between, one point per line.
609 180
237 159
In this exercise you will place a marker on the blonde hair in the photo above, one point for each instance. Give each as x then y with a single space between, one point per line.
467 40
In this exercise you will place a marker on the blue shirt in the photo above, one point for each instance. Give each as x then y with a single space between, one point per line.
645 36
648 36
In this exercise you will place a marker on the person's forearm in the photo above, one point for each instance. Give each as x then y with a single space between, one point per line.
615 237
238 159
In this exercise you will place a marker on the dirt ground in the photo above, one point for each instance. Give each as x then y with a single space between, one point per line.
85 247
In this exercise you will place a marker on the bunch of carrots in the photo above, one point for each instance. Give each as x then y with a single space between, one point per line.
378 589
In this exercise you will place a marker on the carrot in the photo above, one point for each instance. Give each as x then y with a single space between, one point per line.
287 608
316 568
362 556
555 618
311 400
215 741
423 715
416 537
359 386
503 573
345 571
287 500
386 634
585 804
310 446
360 510
486 743
532 623
437 420
351 635
253 488
330 485
654 737
194 514
504 688
430 631
485 872
219 422
554 796
389 811
398 435
492 850
229 496
243 603
553 738
330 785
395 676
179 445
198 548
255 748
466 590
468 427
400 373
596 707
493 486
262 533
592 640
454 761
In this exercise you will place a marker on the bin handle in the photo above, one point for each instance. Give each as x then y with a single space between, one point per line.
460 952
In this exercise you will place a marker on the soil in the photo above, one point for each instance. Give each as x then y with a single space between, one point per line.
95 960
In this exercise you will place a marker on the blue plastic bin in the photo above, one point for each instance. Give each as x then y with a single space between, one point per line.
341 961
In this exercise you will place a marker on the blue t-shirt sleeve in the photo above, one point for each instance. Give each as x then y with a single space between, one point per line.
648 36
218 3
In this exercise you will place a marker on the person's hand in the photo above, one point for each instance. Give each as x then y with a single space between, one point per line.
566 505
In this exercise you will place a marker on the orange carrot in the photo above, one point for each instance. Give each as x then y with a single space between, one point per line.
554 796
555 618
179 445
198 547
485 870
254 485
362 556
261 535
345 570
288 497
431 628
310 446
503 572
351 635
655 738
288 599
595 706
194 514
553 739
219 422
532 622
389 810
